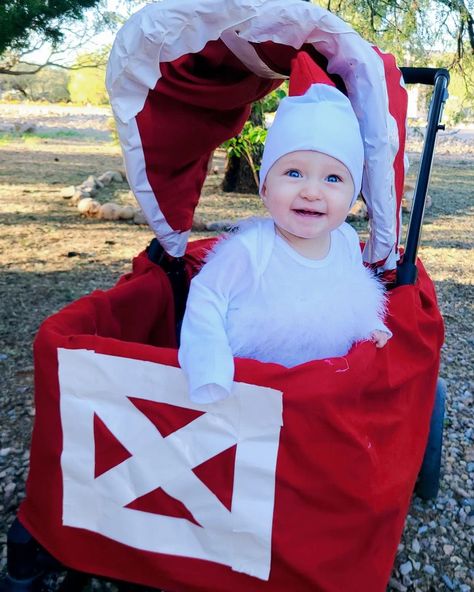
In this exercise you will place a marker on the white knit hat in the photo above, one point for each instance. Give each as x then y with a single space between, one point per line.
320 118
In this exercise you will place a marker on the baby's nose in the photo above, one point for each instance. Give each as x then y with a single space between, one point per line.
312 190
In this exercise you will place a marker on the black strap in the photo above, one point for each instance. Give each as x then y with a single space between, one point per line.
174 267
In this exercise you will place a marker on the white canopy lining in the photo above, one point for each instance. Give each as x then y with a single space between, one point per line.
166 30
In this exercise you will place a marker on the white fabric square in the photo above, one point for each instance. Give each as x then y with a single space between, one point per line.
92 383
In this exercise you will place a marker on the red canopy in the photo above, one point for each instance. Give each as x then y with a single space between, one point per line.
182 77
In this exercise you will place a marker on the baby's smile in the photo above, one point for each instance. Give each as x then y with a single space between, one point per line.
309 213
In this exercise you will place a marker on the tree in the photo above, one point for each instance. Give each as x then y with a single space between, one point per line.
244 152
63 26
87 85
21 18
460 106
50 84
411 27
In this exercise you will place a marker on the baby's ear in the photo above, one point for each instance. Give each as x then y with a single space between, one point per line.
263 193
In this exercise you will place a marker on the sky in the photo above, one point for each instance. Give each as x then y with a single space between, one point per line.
66 56
123 8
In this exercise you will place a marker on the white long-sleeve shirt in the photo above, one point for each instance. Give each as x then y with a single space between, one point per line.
256 297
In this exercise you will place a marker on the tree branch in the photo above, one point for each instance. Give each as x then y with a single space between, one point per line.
47 63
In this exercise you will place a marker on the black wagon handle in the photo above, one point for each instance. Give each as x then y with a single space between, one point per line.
439 78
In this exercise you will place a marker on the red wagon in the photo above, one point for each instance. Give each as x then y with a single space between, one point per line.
302 481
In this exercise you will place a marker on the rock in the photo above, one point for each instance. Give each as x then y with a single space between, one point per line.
460 491
7 127
139 218
199 225
84 204
94 208
448 549
78 195
127 212
9 488
110 176
429 569
358 211
415 546
94 182
68 192
88 207
396 585
91 186
407 199
449 583
220 225
105 178
88 191
210 163
405 568
422 529
109 211
25 127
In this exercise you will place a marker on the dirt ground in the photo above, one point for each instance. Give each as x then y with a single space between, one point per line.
49 256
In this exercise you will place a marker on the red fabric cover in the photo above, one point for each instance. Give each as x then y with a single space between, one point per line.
278 57
304 73
200 101
352 442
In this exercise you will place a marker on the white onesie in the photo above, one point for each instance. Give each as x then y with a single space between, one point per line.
256 297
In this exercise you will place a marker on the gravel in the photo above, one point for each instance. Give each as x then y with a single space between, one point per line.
436 550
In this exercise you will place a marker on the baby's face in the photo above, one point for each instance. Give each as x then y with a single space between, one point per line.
308 194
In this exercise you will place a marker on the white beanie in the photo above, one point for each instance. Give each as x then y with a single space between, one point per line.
321 119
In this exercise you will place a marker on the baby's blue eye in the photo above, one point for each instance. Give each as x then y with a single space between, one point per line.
293 173
333 178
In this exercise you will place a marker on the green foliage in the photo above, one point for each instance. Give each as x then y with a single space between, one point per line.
249 145
49 84
87 83
272 100
250 137
410 29
460 105
21 18
414 31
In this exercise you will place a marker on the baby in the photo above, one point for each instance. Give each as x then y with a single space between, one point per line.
291 288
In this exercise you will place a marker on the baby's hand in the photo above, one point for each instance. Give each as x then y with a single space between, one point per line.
380 338
208 393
